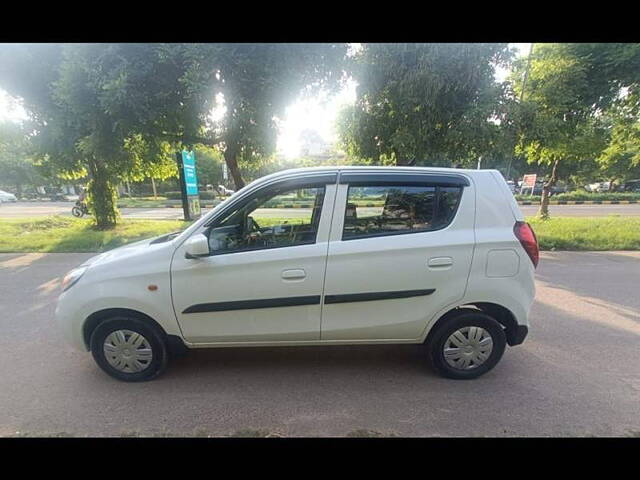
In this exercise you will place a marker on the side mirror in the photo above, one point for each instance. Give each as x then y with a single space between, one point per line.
197 246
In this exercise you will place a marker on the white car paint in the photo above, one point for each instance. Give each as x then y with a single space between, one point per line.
7 197
476 258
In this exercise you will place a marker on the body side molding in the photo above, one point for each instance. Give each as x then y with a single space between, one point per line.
252 304
371 296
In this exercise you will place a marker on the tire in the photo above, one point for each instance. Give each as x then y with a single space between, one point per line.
478 349
153 340
77 212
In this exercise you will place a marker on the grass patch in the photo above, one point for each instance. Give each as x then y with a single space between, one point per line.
145 202
68 234
583 233
579 196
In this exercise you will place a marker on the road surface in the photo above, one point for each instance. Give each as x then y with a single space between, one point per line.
41 209
576 375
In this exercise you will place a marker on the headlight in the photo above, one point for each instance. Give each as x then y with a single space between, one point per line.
72 277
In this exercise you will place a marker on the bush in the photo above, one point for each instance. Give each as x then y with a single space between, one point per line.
207 195
173 195
204 195
579 196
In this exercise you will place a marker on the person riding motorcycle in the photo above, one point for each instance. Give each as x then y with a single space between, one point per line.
81 206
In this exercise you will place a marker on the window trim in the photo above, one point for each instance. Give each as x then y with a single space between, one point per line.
311 180
295 183
380 179
436 201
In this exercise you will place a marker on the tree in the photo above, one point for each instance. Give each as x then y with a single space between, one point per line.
568 91
16 165
90 103
209 163
254 83
434 104
154 160
620 160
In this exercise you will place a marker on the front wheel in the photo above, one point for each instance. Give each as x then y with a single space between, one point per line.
467 346
77 212
129 349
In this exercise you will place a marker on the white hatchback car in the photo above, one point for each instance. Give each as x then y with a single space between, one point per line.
319 256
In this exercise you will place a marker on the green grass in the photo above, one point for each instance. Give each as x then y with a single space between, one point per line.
145 202
67 234
583 233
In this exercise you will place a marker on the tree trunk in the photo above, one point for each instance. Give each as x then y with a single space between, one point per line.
102 196
155 192
231 159
400 161
19 190
543 213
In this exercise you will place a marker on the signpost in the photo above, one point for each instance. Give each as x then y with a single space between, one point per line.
529 181
188 184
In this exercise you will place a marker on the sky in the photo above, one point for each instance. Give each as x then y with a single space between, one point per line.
317 113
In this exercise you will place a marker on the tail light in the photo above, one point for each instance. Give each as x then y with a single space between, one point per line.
528 239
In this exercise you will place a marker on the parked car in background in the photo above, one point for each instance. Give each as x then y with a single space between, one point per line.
512 186
537 189
630 186
7 197
222 190
445 260
598 187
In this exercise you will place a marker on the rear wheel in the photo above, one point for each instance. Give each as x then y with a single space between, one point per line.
467 346
129 349
77 212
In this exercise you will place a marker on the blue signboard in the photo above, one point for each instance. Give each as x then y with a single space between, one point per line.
190 177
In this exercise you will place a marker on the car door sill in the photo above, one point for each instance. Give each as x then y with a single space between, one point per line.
310 343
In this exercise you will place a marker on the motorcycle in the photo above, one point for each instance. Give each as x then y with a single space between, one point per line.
80 209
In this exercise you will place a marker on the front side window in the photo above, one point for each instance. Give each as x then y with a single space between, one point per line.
280 217
385 210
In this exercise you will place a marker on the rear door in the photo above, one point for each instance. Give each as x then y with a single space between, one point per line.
400 250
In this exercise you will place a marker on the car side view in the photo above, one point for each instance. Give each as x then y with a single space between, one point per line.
319 256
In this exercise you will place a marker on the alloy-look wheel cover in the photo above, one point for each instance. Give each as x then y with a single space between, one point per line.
127 351
468 348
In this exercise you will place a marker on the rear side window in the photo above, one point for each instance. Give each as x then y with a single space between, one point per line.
395 209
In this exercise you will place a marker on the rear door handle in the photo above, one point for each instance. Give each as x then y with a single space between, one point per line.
295 274
440 262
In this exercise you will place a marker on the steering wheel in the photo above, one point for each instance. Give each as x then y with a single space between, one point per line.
252 231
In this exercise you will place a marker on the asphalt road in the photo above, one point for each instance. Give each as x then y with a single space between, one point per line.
576 375
38 209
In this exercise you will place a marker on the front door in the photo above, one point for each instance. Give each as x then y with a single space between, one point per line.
400 250
262 281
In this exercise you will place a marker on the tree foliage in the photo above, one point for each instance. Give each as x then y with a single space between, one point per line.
17 167
253 84
428 104
115 112
569 90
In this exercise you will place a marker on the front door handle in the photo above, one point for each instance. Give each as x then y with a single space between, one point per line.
440 262
294 274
